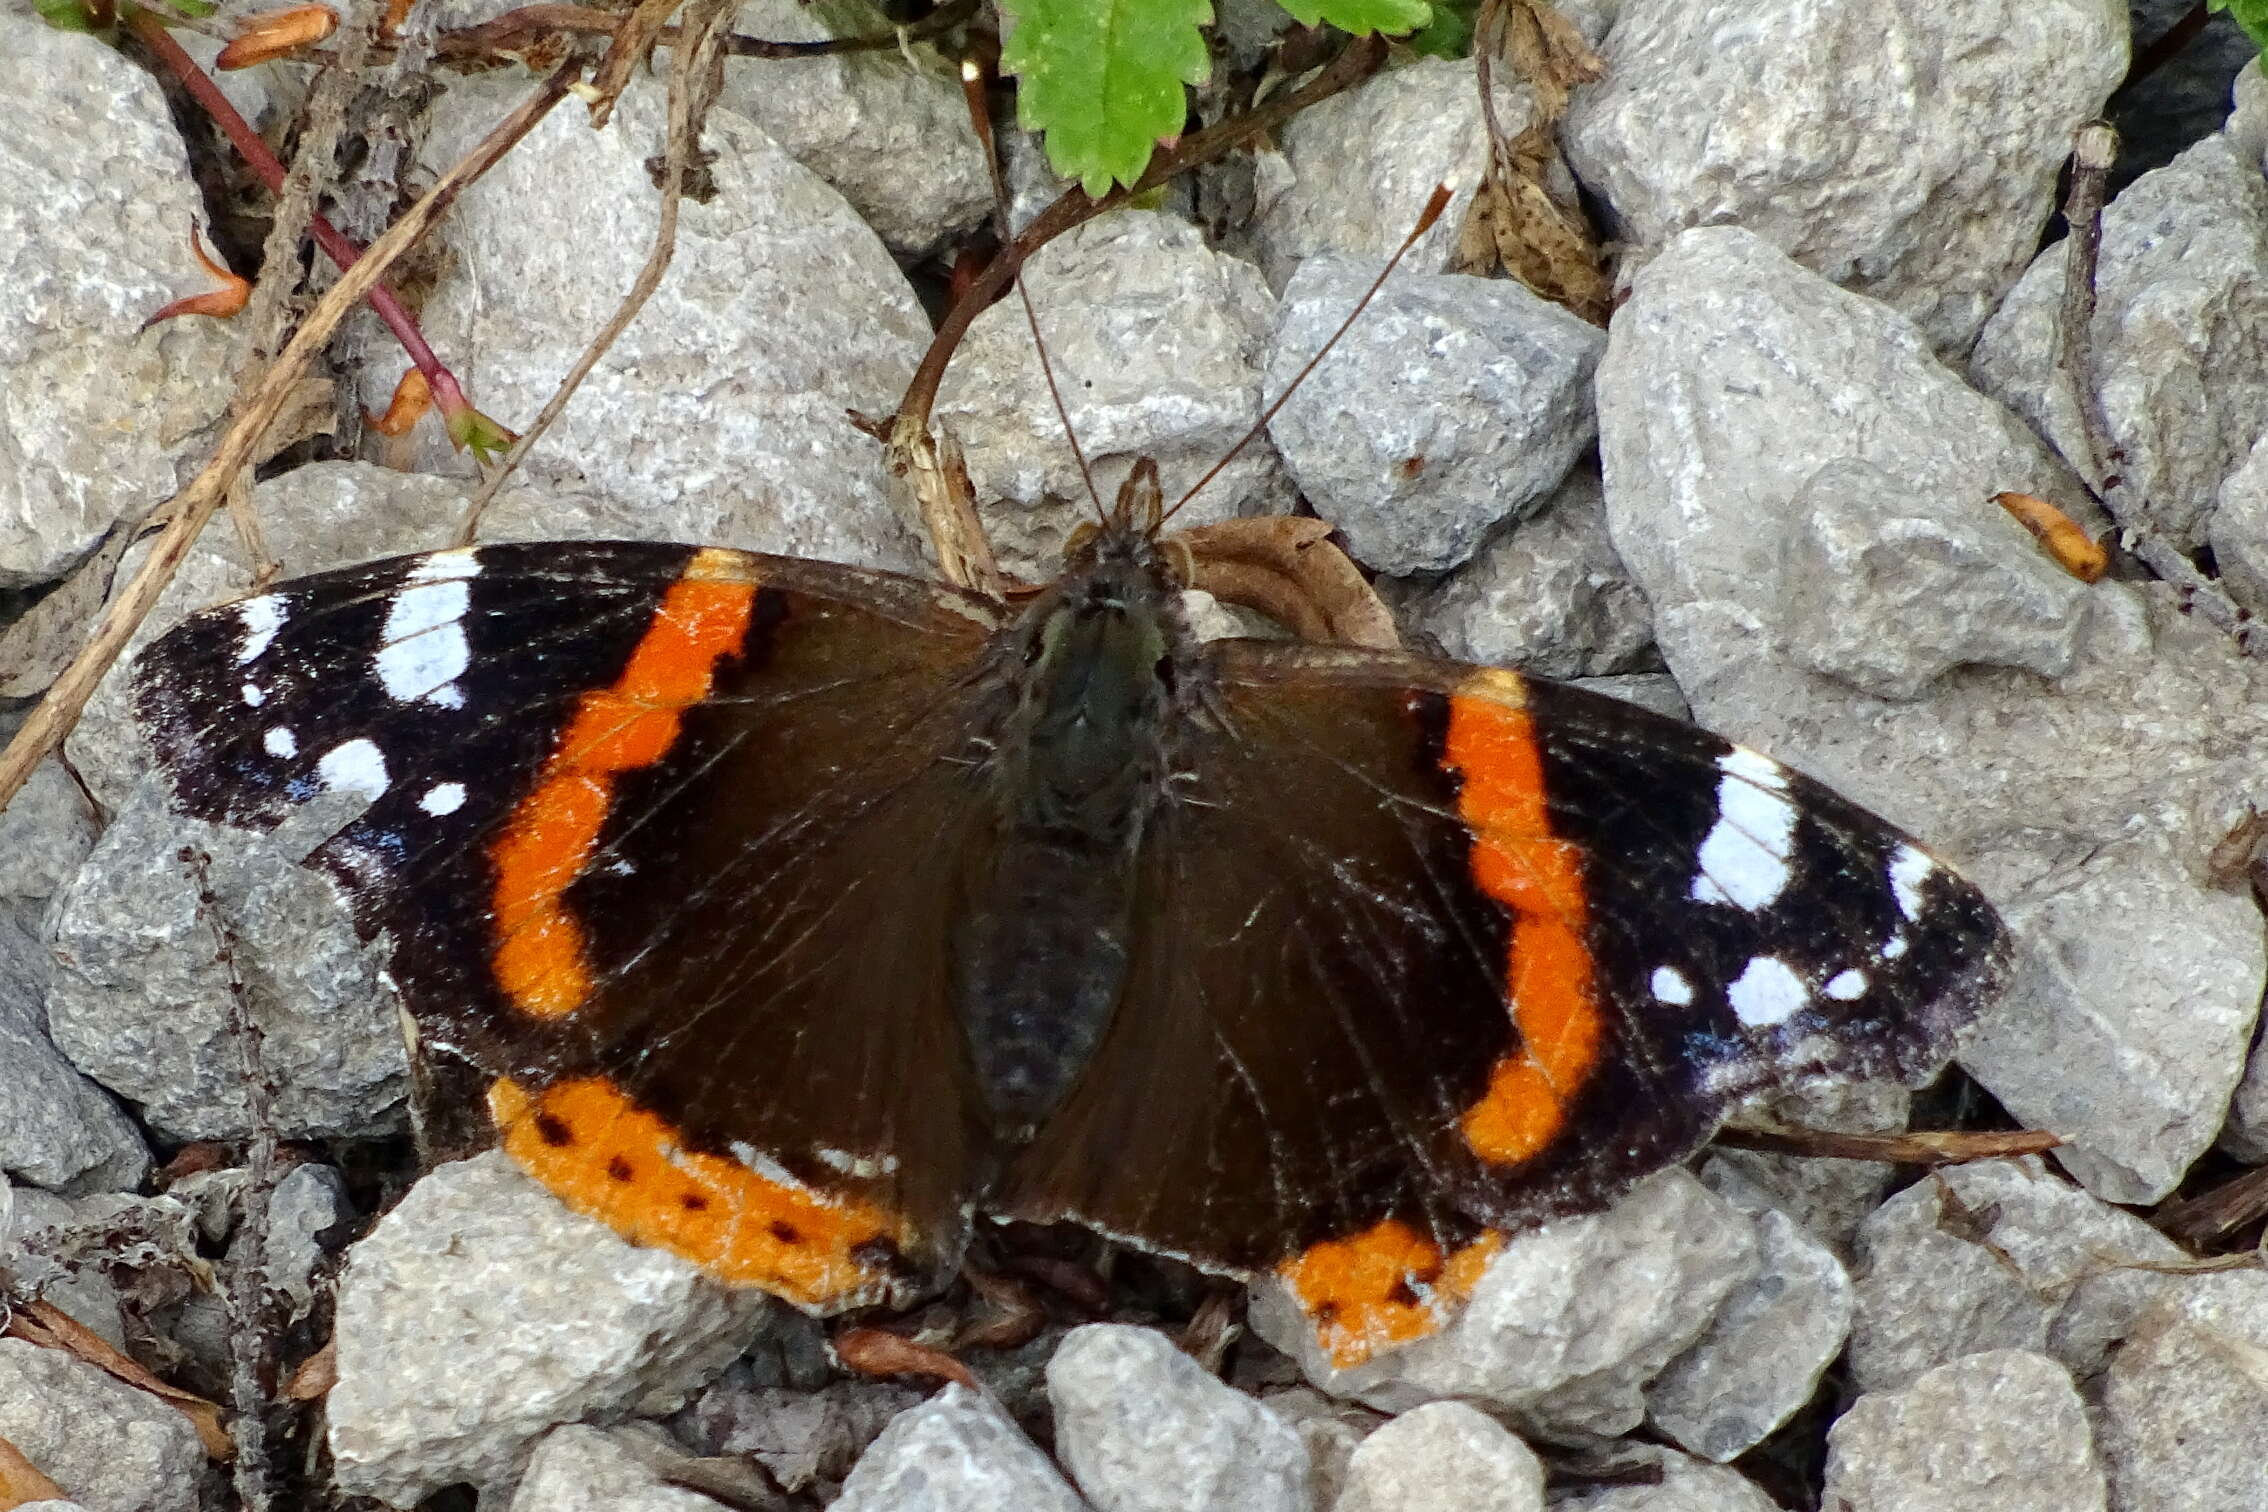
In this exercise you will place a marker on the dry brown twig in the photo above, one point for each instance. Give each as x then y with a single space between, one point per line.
188 511
1923 1147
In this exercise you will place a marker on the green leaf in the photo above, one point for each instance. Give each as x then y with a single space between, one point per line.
1362 17
1450 33
2252 15
1105 79
66 15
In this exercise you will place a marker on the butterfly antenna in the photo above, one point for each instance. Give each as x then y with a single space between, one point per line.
980 117
1443 192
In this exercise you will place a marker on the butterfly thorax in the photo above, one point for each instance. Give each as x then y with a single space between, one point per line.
1074 773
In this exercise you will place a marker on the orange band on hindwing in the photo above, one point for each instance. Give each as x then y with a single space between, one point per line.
1551 983
1385 1286
540 961
609 1159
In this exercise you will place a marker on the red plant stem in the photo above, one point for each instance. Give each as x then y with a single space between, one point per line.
145 25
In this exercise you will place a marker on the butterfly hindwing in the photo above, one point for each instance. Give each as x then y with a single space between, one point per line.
622 801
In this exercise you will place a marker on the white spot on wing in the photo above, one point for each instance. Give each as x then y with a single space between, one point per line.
1767 993
443 798
1744 859
1670 986
281 743
424 650
1895 948
1846 986
254 695
1909 869
261 618
357 766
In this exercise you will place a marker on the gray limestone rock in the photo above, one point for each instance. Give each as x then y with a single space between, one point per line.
96 204
582 1469
1156 341
309 1200
1143 1427
1997 1255
956 1452
2180 336
480 1313
2002 1429
141 1000
1908 155
1548 595
45 833
1889 588
2245 1135
57 1129
1567 1324
721 409
2185 1402
2238 533
1453 404
1765 1350
1730 376
110 1447
1356 170
1442 1457
889 130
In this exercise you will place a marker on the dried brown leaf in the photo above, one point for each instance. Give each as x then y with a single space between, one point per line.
879 1352
2063 536
314 1376
21 1481
1287 568
45 1324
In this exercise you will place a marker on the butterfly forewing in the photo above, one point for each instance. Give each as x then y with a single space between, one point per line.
662 838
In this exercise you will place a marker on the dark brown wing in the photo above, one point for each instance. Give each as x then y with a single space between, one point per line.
1427 951
665 840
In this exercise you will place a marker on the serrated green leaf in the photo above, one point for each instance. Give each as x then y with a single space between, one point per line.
2252 15
1361 17
66 15
1105 79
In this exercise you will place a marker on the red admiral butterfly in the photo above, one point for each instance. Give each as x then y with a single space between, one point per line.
803 915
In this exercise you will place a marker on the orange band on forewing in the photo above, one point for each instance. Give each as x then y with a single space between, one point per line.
606 1157
1385 1286
540 961
1550 982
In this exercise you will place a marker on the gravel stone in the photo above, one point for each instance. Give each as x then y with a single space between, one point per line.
565 1320
1442 1457
721 408
2180 336
1142 1427
1452 405
96 202
1765 1351
2002 1429
2185 1402
1910 156
1998 1254
1548 595
1156 341
110 1447
956 1452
